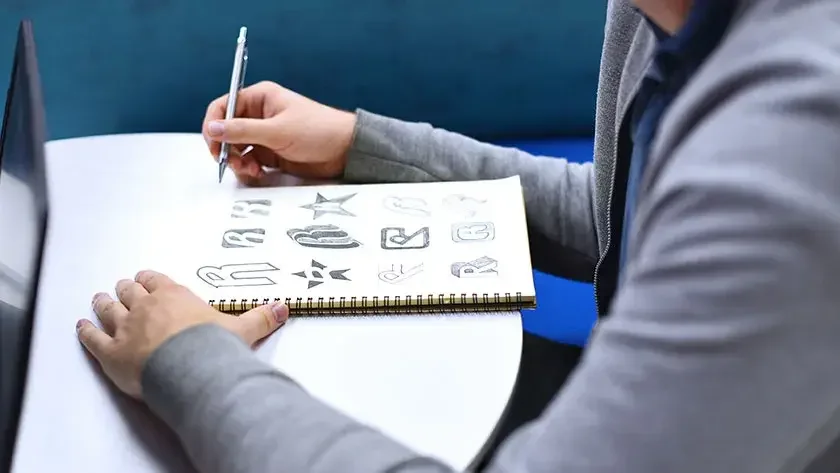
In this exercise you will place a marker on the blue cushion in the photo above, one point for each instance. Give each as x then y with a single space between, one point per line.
565 309
500 68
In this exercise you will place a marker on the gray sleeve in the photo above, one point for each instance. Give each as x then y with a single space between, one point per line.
236 414
558 193
721 350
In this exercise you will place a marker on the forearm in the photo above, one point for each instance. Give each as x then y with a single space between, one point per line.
235 414
558 193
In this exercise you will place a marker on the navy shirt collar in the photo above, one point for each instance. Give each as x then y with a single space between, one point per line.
700 34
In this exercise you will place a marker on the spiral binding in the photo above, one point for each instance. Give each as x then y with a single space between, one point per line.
408 304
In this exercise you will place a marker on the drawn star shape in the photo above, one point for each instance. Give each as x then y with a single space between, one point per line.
323 206
315 274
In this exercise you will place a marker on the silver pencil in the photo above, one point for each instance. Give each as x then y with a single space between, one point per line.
237 81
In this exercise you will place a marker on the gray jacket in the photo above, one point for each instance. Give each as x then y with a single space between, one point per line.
721 348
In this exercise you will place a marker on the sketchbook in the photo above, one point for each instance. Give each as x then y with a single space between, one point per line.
362 249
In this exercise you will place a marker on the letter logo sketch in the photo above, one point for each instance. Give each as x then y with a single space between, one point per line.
238 275
251 208
465 205
323 206
473 231
244 238
317 274
398 273
322 236
406 205
396 238
480 267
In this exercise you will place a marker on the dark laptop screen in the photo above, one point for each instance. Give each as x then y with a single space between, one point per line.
23 214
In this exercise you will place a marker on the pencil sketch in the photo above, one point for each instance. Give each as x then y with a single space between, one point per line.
238 275
473 231
251 208
479 267
323 236
244 238
396 238
406 205
323 206
397 273
463 205
315 275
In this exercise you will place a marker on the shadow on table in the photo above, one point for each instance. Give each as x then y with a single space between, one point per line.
544 368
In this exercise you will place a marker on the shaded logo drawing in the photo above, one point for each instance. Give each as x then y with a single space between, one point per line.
323 206
238 275
398 273
318 273
477 268
406 205
396 238
251 208
464 205
245 238
473 231
322 236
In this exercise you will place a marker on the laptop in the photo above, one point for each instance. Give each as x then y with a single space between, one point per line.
23 225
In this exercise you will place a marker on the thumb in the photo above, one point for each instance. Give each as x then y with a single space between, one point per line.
261 321
254 131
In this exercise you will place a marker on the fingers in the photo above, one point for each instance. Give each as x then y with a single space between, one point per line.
109 311
129 292
152 280
260 322
257 131
95 341
215 111
250 103
245 164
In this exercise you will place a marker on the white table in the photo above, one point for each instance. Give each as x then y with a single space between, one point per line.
439 385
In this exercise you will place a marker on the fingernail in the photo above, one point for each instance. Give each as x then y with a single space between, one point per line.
79 324
96 298
216 128
281 312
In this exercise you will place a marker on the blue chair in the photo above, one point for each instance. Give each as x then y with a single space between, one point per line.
521 73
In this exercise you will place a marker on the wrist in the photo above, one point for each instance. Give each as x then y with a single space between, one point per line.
346 124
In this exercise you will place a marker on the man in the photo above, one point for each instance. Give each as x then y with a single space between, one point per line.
709 222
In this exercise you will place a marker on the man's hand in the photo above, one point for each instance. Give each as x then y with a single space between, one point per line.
289 132
150 309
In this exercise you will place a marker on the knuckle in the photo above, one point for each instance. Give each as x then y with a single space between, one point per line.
106 307
101 303
173 290
123 287
265 84
144 276
233 128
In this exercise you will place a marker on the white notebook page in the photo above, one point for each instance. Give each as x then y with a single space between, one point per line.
354 241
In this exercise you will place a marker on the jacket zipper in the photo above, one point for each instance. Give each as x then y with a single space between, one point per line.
609 234
608 243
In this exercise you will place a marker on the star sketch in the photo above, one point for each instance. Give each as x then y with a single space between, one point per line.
315 274
323 206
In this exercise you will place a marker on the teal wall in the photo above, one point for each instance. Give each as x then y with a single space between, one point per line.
489 68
